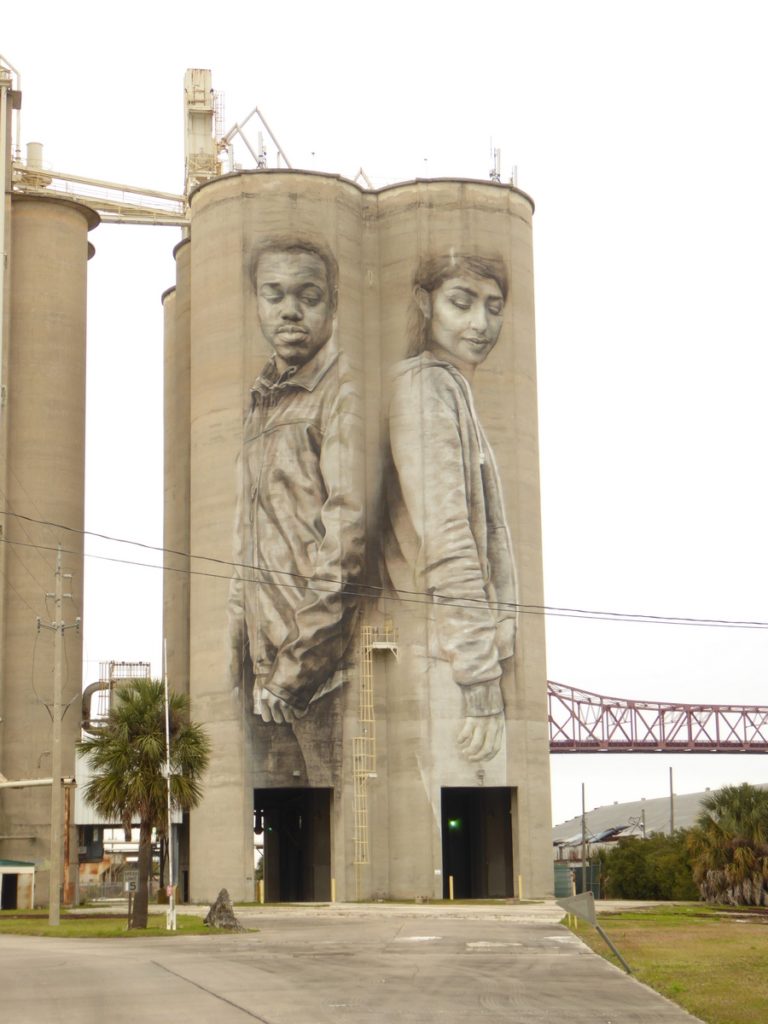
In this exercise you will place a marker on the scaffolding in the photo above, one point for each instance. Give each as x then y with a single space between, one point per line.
372 638
208 153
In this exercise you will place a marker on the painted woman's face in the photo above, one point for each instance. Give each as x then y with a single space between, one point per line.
465 315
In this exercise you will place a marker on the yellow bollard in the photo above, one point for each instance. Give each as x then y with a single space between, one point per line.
519 887
333 890
450 887
261 890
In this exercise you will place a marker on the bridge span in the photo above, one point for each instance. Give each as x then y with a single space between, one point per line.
581 722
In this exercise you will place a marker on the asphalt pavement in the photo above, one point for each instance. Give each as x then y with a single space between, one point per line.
367 964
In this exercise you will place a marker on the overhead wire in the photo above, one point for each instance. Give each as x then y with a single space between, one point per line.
23 564
40 522
362 590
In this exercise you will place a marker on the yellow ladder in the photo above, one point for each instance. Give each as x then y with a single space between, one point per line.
364 746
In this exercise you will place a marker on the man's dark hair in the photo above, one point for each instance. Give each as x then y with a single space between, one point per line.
300 245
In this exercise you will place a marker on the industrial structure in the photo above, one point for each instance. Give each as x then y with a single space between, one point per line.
351 525
45 250
394 742
362 791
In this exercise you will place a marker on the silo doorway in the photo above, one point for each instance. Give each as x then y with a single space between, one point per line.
477 842
296 825
9 895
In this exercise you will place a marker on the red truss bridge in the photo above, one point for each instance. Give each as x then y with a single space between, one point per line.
581 722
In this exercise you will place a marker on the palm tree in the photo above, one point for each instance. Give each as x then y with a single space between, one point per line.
729 846
127 756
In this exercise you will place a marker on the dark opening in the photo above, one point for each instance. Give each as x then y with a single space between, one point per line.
9 896
477 843
91 844
296 827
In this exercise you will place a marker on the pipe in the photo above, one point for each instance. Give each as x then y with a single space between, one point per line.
4 188
26 783
88 692
4 60
68 887
5 90
103 684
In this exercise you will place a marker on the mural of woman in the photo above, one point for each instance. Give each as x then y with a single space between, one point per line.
446 540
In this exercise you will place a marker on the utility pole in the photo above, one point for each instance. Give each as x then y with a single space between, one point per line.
584 883
171 914
57 713
671 803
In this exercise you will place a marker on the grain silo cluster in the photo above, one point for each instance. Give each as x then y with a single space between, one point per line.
351 532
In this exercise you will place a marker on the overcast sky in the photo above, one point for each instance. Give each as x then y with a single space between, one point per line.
639 130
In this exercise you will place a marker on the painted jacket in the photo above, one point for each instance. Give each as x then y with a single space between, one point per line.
299 527
446 533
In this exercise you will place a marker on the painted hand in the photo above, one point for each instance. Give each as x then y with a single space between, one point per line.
275 709
480 738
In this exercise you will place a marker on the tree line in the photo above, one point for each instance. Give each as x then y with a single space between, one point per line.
723 858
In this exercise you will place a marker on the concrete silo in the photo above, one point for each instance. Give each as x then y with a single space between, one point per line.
176 309
375 698
42 474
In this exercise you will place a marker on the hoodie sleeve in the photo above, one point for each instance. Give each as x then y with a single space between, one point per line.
431 458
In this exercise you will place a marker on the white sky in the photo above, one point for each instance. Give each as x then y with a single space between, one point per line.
639 130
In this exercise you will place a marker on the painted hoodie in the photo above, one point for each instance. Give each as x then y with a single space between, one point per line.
445 537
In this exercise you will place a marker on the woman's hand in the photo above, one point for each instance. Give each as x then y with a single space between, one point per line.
480 737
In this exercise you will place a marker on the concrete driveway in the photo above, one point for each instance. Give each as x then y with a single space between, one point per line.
311 965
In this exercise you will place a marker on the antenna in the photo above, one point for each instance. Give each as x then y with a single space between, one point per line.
495 173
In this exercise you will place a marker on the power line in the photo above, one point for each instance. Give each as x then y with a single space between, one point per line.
362 590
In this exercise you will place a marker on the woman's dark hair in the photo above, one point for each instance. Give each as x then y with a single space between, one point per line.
434 271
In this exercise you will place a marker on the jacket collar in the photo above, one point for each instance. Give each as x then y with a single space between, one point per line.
307 376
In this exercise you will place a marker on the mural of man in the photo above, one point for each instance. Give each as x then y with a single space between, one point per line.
445 533
299 530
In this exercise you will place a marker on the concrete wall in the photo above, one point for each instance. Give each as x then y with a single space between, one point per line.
378 239
44 436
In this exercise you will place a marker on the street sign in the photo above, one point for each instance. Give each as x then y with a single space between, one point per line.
582 906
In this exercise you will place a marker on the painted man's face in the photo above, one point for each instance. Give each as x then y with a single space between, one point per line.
465 315
294 304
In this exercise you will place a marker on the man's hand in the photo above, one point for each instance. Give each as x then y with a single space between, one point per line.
275 709
480 737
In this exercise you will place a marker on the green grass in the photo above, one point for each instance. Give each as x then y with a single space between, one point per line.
710 961
98 926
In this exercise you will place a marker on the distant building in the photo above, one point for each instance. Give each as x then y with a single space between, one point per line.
606 825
